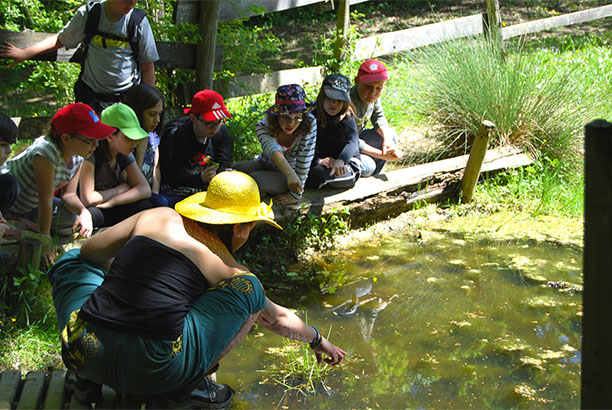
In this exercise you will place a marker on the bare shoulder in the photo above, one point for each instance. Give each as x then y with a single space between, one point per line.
162 224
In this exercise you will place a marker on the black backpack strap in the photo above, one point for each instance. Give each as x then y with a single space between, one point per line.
94 9
133 34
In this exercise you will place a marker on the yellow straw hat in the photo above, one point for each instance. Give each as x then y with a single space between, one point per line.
232 197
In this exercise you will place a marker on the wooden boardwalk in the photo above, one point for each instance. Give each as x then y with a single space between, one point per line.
45 390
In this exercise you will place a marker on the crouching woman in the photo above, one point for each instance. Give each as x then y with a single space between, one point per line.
150 305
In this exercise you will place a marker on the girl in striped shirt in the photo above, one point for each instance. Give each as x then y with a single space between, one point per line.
288 137
48 174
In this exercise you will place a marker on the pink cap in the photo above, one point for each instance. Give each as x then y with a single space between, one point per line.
209 104
79 118
372 70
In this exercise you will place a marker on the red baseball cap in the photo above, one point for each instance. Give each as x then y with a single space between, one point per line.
79 118
209 104
372 70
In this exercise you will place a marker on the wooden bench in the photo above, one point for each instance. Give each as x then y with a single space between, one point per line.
45 390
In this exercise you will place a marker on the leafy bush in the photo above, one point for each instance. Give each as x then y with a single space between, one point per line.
535 106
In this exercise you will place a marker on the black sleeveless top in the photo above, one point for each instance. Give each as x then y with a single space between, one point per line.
147 291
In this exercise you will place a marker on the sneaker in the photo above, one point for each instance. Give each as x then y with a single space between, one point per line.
207 395
85 391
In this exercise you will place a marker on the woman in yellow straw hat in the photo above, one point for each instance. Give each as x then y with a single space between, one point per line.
152 304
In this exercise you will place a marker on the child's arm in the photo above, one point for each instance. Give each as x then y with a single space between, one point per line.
148 73
139 188
87 187
8 50
293 181
156 183
44 175
83 223
141 149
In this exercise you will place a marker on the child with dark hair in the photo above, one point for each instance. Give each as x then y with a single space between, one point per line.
287 135
336 162
51 166
109 197
148 104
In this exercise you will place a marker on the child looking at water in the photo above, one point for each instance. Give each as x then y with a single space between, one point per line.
52 164
148 104
110 198
378 144
336 162
287 135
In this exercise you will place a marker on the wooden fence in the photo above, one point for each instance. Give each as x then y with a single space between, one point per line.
175 55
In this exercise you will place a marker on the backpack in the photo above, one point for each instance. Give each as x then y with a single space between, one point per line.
94 8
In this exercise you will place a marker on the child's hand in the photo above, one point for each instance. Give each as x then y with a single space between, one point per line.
49 254
338 168
83 226
393 155
294 184
326 162
208 173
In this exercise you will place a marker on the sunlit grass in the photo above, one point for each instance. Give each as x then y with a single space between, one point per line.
25 348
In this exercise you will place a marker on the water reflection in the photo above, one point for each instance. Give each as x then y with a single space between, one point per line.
440 322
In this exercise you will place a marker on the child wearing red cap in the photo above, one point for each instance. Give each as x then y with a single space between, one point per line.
52 164
288 135
195 148
378 144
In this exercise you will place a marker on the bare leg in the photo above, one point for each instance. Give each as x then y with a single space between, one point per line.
244 329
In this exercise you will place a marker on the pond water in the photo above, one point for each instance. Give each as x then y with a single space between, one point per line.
439 321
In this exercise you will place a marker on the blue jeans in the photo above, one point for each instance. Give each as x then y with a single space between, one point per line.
372 166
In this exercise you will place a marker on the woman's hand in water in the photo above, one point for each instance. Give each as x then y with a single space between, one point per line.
335 353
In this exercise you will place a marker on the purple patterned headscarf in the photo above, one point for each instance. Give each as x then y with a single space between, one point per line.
290 99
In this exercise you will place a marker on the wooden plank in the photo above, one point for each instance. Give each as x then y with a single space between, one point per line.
236 9
55 391
596 374
557 21
9 384
32 392
265 83
171 55
404 40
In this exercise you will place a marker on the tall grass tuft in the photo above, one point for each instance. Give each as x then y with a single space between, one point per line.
536 106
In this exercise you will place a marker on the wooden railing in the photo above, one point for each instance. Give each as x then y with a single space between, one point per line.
175 55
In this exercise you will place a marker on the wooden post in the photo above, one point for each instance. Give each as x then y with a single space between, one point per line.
342 28
596 375
205 57
29 252
474 163
493 24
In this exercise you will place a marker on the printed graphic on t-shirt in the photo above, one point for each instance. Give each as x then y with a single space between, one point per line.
101 41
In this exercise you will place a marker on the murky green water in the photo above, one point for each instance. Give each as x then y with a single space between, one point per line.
439 322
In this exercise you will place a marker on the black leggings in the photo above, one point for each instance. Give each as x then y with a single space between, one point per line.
111 216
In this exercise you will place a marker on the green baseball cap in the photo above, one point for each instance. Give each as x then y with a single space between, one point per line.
123 117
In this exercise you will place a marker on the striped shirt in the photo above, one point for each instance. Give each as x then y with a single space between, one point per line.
22 168
299 155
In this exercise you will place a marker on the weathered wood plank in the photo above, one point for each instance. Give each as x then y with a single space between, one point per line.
186 11
404 40
264 83
171 55
557 21
391 190
9 384
32 392
55 392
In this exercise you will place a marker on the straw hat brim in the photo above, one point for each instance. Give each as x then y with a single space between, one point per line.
193 207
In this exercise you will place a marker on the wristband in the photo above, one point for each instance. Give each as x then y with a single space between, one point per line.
317 340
